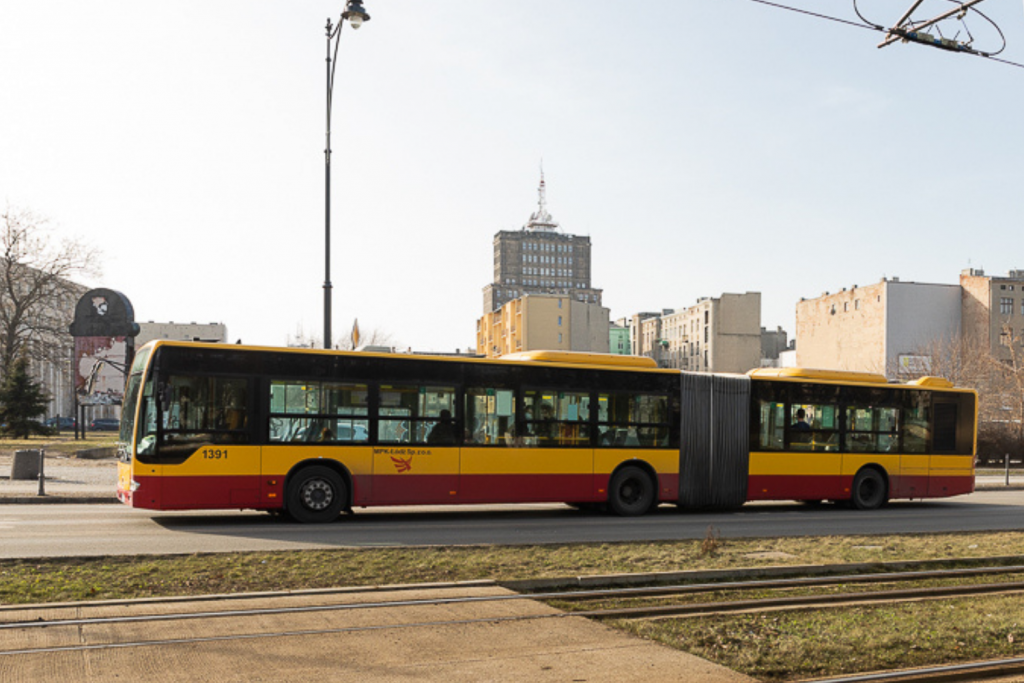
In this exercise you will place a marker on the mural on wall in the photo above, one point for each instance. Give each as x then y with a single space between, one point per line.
104 330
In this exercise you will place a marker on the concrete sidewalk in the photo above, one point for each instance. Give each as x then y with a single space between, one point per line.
66 480
504 640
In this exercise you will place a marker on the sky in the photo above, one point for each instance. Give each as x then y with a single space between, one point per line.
704 146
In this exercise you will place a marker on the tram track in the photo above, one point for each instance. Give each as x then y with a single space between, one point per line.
631 593
953 673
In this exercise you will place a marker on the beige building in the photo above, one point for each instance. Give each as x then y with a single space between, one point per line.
716 335
204 332
882 328
993 310
549 322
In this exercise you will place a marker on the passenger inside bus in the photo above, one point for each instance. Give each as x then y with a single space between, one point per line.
443 433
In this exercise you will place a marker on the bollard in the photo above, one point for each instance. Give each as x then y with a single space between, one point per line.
42 453
1007 461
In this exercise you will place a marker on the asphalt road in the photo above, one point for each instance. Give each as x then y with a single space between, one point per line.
85 530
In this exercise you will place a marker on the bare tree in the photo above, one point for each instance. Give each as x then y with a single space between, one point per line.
37 294
962 361
373 337
999 383
1006 388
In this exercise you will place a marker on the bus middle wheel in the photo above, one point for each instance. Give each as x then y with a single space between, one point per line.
631 492
869 490
316 494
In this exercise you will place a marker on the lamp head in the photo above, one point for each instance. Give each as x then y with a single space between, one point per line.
355 13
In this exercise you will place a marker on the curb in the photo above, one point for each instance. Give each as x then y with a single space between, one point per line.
57 499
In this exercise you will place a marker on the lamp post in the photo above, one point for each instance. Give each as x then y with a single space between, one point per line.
356 15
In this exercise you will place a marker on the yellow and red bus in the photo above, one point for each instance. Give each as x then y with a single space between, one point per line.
315 433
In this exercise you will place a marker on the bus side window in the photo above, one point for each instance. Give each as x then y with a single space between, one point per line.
871 430
410 413
813 427
556 418
490 417
633 420
347 406
771 435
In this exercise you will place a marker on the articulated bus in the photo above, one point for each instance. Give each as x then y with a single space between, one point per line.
315 433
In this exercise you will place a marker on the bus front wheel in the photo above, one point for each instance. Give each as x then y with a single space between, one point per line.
316 494
631 492
869 490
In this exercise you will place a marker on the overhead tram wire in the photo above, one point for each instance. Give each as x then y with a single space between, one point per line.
907 35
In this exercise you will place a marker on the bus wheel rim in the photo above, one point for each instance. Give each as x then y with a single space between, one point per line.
317 494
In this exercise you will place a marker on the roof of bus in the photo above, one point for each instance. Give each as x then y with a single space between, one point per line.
579 358
846 376
604 361
827 375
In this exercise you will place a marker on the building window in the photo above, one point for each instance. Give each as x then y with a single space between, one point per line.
1006 306
559 321
856 304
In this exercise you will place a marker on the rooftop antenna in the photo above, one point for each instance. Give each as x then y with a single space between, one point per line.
540 219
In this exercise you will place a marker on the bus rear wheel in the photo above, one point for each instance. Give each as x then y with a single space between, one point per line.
631 492
316 494
869 490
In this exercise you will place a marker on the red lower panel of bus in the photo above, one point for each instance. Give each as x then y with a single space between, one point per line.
492 488
184 493
798 487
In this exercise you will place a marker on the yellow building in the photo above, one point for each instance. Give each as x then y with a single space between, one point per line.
550 322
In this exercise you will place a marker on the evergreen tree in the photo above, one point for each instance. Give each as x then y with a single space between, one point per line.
22 401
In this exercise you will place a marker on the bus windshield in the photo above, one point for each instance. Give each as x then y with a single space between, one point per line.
131 401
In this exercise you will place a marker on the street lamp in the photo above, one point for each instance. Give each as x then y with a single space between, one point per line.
356 15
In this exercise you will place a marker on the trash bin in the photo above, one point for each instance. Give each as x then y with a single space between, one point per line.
25 465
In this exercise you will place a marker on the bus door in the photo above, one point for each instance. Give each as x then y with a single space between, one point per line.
416 460
813 468
952 461
205 443
915 462
545 455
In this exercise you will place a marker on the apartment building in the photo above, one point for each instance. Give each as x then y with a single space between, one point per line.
993 310
884 327
720 334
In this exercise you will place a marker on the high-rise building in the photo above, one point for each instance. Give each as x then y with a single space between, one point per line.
541 297
540 259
